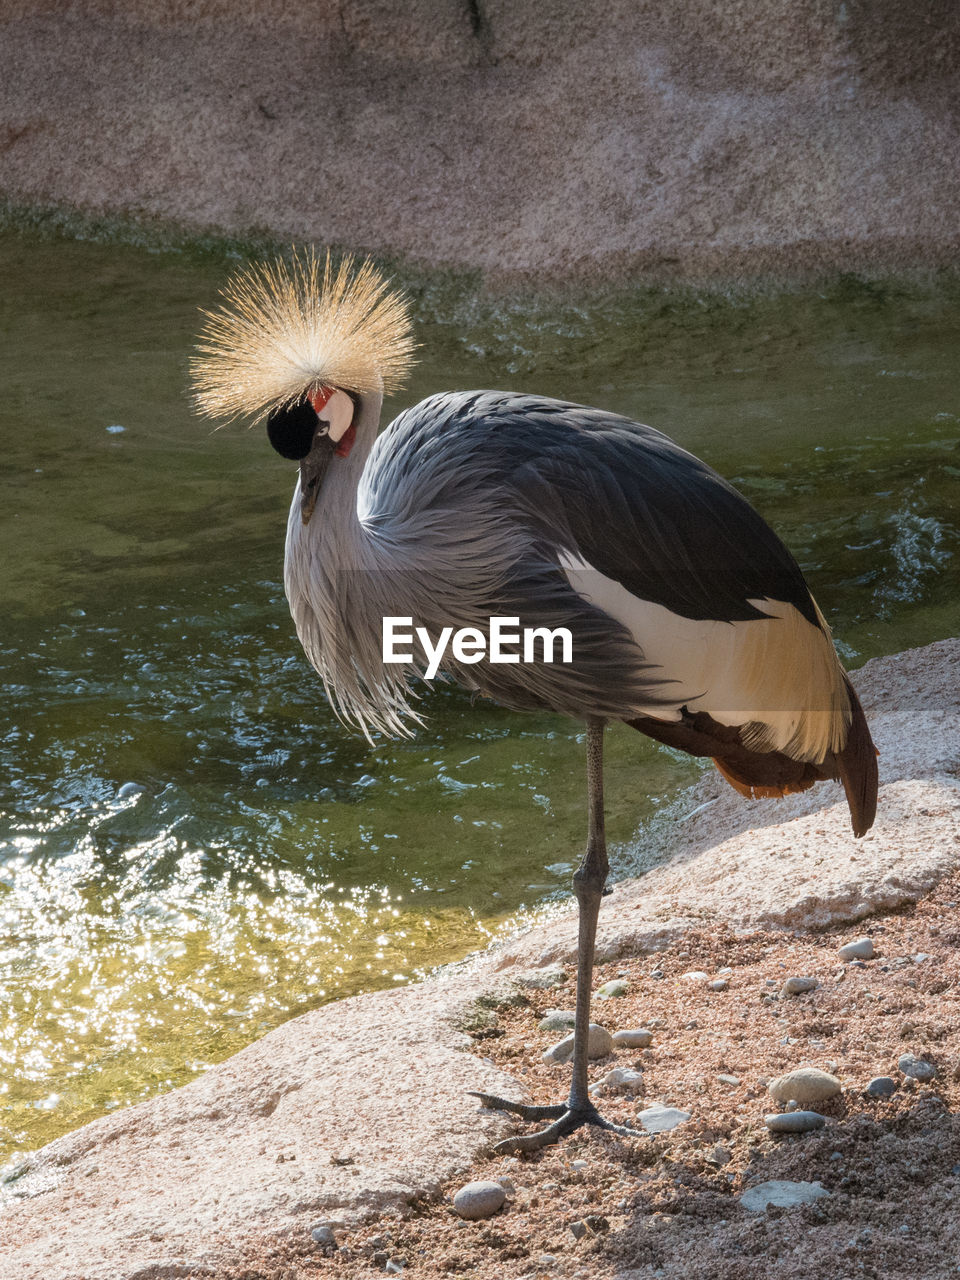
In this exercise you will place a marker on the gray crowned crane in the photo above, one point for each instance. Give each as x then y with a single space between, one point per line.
690 621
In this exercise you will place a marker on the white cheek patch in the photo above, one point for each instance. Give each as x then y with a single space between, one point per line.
338 411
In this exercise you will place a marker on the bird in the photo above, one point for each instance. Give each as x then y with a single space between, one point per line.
689 619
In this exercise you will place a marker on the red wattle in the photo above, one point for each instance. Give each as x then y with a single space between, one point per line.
346 441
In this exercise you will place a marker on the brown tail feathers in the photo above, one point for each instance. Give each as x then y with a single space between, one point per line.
772 773
857 768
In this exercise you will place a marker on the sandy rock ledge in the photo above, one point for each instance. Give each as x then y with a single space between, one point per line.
287 1131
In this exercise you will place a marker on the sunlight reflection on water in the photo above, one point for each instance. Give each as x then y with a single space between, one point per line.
191 848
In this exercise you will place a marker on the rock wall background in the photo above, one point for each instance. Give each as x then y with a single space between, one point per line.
681 139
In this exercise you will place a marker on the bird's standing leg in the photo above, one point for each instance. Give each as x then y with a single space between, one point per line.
588 882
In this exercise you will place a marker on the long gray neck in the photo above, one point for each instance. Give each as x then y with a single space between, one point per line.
337 586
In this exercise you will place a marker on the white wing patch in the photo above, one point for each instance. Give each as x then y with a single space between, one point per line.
779 676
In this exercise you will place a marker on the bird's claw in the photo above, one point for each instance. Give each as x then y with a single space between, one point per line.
493 1103
565 1119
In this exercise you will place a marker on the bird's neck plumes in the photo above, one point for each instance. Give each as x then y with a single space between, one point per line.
338 584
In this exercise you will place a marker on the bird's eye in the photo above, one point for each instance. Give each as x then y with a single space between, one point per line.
323 428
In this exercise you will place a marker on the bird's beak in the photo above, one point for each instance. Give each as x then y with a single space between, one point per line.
312 470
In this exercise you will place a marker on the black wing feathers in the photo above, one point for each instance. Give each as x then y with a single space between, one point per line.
636 506
655 519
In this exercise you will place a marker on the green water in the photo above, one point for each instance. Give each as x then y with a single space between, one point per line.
265 861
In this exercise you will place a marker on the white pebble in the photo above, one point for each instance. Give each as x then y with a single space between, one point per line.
807 1084
660 1119
695 975
599 1044
621 1080
859 949
796 986
610 990
479 1200
636 1038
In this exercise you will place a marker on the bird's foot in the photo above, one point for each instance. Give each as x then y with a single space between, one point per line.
566 1118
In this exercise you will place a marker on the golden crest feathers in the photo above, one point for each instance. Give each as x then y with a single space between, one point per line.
288 328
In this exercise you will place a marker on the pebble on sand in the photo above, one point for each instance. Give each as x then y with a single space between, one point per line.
794 1122
479 1200
782 1195
695 975
796 986
881 1087
556 1020
660 1119
615 987
913 1066
634 1038
859 949
719 984
619 1080
806 1084
599 1044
